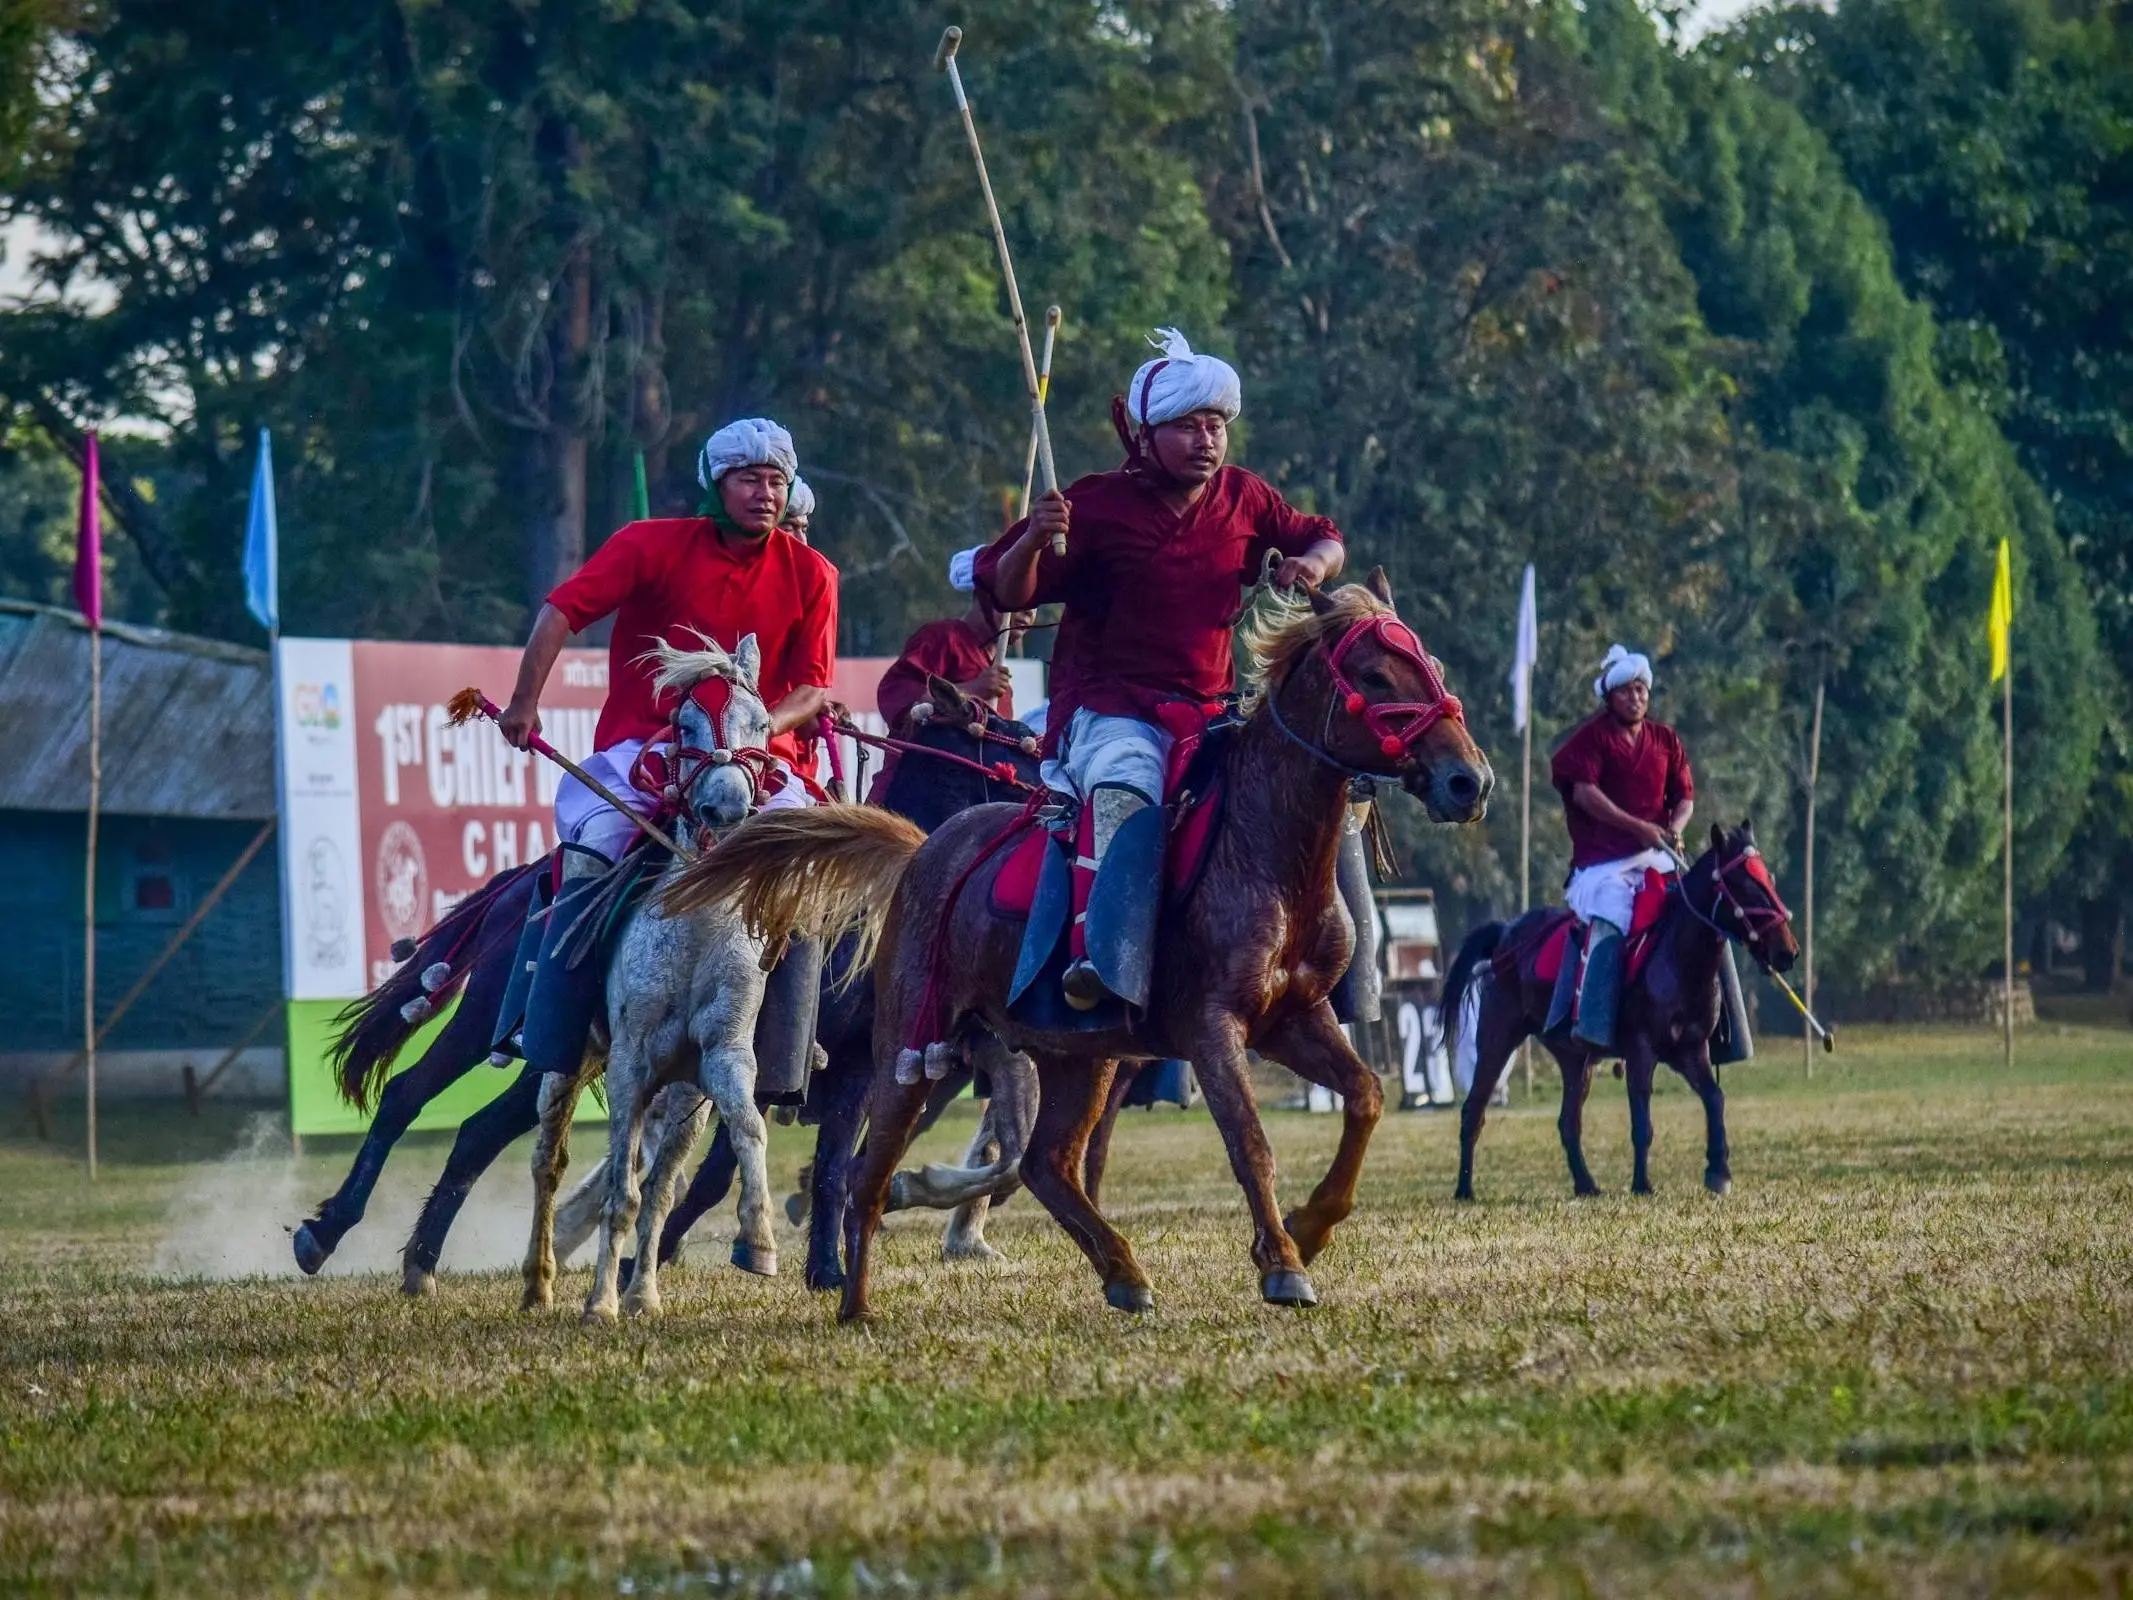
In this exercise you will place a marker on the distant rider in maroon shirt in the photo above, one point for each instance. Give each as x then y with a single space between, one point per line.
1157 557
1627 794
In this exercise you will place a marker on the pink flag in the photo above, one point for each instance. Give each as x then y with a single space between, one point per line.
89 547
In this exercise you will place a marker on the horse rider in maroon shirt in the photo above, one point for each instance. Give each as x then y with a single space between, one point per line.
1627 794
1157 555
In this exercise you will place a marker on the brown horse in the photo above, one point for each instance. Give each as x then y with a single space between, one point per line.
1343 693
1667 1014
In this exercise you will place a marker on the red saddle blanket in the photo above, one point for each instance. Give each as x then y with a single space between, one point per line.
1554 938
1193 817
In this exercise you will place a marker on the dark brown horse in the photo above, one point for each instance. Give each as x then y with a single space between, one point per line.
1248 957
1668 1013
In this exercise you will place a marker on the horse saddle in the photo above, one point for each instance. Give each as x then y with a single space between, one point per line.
1035 883
1554 935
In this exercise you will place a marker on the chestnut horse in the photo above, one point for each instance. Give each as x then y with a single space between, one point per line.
1343 694
1667 1014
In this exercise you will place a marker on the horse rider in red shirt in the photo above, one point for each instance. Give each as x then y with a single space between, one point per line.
1157 556
732 570
1627 794
969 651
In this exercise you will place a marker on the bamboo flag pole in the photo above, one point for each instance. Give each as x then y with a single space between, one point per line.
89 597
2000 631
1525 653
1807 950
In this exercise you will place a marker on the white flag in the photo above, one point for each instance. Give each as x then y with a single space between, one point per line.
1524 655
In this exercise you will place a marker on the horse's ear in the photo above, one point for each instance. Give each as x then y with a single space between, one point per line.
1380 585
946 697
1718 838
1321 602
1747 830
748 660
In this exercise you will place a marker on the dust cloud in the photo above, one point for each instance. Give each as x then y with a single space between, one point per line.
232 1218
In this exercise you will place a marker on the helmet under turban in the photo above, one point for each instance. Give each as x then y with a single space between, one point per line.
750 442
1179 382
1622 665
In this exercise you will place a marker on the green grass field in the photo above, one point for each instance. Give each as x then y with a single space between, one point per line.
1898 1359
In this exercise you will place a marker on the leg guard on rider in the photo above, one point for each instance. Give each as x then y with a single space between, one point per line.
1124 901
1732 1042
569 982
1600 985
785 1027
1357 997
511 1011
1563 1004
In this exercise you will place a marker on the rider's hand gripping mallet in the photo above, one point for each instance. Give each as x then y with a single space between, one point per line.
944 59
471 703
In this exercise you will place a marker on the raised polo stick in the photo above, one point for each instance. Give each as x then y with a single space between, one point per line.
1044 392
471 703
944 60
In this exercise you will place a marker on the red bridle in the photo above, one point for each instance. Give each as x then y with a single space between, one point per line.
1751 919
1398 725
671 772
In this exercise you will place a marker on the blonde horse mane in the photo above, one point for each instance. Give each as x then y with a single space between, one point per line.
682 670
1284 626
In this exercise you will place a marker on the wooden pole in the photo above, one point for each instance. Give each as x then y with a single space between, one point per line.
1807 951
1525 858
2007 861
88 959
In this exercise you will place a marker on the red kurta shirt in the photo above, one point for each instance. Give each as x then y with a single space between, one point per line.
1645 773
1151 594
948 649
671 575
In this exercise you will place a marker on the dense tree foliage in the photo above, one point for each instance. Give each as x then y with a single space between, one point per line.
1723 340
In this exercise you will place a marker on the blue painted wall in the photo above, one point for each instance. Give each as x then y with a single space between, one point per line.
151 873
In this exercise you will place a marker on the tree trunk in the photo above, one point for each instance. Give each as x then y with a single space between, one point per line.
556 547
2103 943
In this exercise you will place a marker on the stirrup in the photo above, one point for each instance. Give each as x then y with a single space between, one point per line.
1083 989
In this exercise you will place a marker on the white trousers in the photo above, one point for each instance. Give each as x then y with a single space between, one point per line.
1607 890
1100 750
584 818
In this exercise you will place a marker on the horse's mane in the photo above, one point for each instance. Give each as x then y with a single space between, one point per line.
682 670
1283 627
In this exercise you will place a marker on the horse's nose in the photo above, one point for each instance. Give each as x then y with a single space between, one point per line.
1464 789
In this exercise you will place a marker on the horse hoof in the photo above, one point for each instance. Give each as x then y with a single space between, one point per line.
1287 1289
636 1307
796 1209
1588 1191
899 1193
1640 1188
831 1282
417 1282
969 1250
1718 1182
598 1316
311 1252
1464 1193
538 1300
754 1258
1129 1297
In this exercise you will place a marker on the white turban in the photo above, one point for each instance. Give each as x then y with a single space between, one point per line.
799 501
963 569
1180 382
750 442
1621 666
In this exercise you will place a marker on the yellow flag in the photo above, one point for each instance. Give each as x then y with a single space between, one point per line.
2002 617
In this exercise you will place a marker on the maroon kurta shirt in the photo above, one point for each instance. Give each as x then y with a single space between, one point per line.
1151 594
1645 773
947 649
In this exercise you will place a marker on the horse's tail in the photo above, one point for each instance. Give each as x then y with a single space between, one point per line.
1478 947
823 871
374 1029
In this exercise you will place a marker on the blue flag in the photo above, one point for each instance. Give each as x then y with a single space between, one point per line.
262 575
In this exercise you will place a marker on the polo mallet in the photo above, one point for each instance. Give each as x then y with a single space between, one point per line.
1044 393
1828 1038
944 60
470 703
826 731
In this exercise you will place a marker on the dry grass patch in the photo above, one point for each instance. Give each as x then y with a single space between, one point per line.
1893 1361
